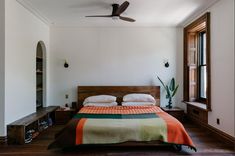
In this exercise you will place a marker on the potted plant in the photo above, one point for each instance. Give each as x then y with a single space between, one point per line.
171 90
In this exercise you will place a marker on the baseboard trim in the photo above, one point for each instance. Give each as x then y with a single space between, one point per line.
3 140
220 135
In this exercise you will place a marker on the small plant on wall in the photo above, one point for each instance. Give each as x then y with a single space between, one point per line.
171 90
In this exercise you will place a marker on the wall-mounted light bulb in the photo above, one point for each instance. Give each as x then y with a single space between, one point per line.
66 65
166 63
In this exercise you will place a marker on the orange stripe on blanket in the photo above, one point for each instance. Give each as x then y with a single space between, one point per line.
175 130
121 110
79 131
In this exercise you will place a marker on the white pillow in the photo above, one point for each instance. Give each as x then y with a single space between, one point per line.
139 98
138 104
96 104
100 98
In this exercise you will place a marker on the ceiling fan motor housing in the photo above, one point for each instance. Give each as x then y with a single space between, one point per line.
117 11
115 8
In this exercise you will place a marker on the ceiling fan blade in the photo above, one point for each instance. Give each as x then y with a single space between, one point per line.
99 16
127 19
122 8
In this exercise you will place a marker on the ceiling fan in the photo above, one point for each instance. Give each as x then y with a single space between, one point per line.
117 11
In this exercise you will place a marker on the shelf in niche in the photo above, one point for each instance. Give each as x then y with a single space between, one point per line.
39 59
39 75
39 89
39 105
39 72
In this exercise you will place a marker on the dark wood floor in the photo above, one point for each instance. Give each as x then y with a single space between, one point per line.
205 143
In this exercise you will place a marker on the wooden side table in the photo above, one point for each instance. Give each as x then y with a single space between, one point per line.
63 116
175 112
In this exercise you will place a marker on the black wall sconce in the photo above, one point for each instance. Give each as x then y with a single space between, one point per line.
166 63
66 65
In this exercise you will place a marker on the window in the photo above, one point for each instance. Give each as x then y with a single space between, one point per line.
197 61
202 65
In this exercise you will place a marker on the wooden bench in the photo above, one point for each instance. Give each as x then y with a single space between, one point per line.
16 131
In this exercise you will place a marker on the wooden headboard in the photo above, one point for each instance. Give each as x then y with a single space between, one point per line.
118 91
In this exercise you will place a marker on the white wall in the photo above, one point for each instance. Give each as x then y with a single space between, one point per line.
134 56
2 65
23 31
222 66
110 56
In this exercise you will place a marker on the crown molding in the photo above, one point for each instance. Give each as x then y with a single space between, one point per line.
27 5
197 14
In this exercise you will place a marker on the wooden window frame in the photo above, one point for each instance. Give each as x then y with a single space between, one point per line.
199 25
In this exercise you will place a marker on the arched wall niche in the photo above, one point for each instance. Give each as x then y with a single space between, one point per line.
41 75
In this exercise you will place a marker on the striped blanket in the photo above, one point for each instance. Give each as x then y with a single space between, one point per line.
118 124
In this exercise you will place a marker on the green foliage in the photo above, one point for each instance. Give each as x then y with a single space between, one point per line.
172 84
171 89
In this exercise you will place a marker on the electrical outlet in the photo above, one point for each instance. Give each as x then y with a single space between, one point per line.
218 121
66 96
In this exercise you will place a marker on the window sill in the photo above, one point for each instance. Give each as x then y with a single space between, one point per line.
199 105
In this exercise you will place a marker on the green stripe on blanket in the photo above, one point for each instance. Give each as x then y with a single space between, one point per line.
116 116
105 131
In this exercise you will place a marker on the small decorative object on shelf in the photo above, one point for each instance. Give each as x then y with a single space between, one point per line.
171 90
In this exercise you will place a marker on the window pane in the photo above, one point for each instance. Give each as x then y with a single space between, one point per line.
204 49
203 83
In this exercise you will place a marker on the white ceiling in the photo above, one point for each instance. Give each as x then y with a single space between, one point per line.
146 12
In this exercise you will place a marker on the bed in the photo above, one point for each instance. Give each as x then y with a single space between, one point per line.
121 125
